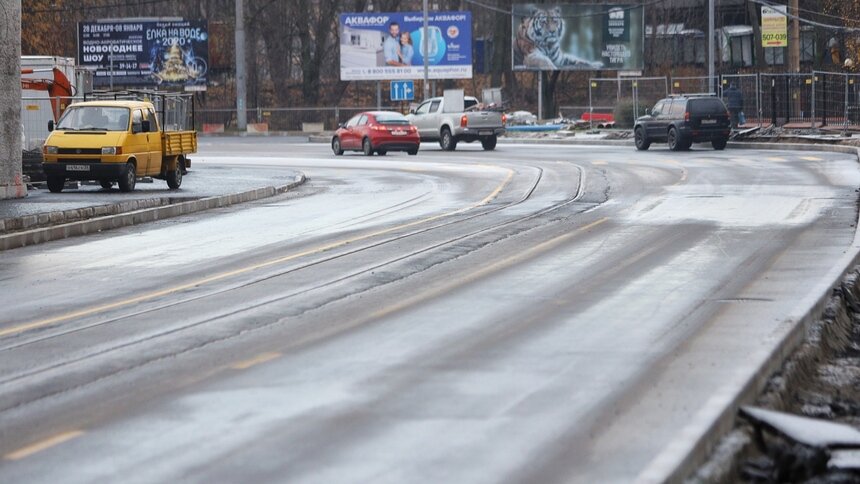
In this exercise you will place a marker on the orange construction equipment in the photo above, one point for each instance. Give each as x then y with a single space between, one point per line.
58 88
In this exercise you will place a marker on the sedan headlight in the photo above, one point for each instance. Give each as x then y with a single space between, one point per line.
51 150
111 150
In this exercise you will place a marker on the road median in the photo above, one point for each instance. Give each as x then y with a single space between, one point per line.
45 227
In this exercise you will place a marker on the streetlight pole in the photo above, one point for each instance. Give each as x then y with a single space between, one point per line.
241 88
711 46
425 48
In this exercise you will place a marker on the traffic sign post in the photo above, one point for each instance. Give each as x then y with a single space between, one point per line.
402 90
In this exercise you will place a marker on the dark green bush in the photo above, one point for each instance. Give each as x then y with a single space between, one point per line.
624 114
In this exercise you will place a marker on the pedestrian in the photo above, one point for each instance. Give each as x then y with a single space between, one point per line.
734 100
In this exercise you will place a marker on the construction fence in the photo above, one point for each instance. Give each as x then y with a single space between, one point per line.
816 100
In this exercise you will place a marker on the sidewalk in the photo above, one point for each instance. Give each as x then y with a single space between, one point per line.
44 216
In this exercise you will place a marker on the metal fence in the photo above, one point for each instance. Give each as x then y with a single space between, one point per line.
748 85
625 98
695 85
284 119
786 99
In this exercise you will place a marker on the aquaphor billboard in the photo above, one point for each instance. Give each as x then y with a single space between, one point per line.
387 46
145 53
548 37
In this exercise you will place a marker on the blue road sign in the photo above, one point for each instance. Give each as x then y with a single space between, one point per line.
402 90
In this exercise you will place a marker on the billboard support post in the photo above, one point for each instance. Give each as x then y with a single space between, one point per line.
424 50
540 95
379 95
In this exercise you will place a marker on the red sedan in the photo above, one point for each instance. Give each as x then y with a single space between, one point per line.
376 131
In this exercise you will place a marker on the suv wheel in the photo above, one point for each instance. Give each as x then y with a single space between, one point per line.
674 140
641 139
719 144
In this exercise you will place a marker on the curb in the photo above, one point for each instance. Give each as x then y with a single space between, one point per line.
804 314
98 224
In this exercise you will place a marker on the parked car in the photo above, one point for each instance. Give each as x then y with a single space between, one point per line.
454 118
681 121
116 141
376 132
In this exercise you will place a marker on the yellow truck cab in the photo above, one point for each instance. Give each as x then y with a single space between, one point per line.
119 139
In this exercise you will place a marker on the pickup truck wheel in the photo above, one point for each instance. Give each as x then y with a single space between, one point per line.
642 142
366 147
447 141
55 183
128 178
336 147
174 177
106 184
489 143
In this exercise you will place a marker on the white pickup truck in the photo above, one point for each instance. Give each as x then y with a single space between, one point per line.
454 118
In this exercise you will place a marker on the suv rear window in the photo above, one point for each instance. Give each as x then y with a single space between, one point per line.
678 107
707 106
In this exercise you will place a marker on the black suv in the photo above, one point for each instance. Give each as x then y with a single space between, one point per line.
681 121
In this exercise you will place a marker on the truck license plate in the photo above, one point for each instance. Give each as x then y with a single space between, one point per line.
486 132
77 167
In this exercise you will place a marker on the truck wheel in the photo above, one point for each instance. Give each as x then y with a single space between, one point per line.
106 184
366 147
174 177
336 147
55 183
128 178
447 141
489 143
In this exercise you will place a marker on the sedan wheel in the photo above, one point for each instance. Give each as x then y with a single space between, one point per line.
366 147
336 147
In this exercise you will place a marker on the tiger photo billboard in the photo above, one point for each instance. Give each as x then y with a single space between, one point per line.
551 37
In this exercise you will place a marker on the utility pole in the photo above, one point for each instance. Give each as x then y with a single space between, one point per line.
794 37
425 48
241 76
711 74
11 182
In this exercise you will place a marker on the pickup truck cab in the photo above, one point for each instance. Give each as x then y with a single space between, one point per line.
115 141
467 123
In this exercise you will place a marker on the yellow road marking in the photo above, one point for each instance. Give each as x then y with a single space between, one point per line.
224 275
499 265
262 358
43 444
776 158
599 162
810 158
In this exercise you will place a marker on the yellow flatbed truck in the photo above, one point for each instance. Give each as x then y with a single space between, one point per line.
119 139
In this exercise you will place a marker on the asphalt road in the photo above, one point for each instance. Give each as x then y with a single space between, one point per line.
535 314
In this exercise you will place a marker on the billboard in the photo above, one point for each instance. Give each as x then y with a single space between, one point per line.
774 26
145 53
550 37
387 46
